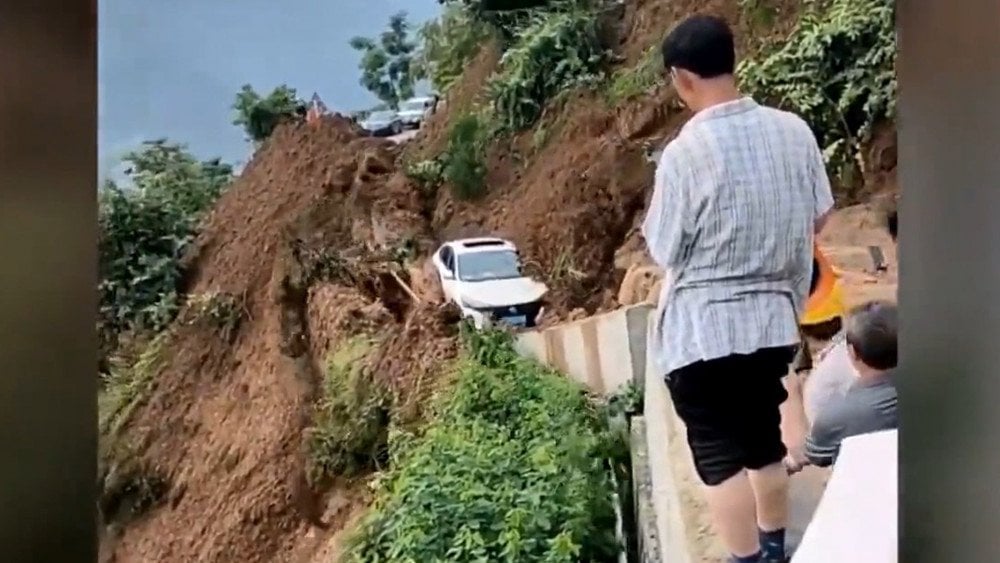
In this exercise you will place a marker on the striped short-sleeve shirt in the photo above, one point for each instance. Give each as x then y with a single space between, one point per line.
731 221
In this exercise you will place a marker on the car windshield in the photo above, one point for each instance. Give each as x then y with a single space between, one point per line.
412 105
381 116
491 265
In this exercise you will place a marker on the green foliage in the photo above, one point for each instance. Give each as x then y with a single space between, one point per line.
506 16
630 82
350 429
509 470
448 43
836 70
145 230
259 116
554 52
465 157
387 63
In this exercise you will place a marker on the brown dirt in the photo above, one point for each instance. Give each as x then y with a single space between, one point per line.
225 421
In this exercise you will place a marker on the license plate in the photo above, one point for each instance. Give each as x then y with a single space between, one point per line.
519 320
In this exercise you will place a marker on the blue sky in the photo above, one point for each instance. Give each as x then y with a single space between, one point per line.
172 69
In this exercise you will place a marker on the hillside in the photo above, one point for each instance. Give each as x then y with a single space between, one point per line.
306 250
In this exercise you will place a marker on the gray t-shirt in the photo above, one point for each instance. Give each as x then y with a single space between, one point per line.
831 377
868 406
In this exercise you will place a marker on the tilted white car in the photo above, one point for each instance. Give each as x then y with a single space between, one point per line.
483 277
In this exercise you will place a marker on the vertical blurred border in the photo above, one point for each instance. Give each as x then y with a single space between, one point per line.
48 109
949 157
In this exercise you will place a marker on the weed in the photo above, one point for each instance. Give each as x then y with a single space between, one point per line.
629 82
350 428
221 311
127 386
465 161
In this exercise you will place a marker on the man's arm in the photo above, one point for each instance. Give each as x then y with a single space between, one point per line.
822 194
826 434
669 210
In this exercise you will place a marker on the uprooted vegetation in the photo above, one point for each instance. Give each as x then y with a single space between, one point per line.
302 349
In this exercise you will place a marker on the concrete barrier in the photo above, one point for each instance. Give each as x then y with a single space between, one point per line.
602 352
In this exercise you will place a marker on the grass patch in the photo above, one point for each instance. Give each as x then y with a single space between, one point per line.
128 386
512 467
350 428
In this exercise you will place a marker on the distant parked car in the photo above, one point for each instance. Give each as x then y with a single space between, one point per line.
483 277
412 112
384 123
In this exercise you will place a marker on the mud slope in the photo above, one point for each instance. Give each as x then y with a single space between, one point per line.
573 200
225 421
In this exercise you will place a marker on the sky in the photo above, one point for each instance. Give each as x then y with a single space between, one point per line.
172 69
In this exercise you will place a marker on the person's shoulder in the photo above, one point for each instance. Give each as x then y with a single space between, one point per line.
787 120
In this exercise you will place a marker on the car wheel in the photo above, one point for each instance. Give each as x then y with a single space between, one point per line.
396 129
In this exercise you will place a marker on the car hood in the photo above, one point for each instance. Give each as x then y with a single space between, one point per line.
375 124
411 113
498 293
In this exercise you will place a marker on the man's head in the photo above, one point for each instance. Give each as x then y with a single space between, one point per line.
700 56
871 334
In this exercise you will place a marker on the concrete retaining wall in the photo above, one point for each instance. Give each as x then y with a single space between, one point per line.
602 352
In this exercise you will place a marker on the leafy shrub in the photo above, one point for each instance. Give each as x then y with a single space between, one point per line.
555 51
448 44
145 229
509 470
465 157
837 70
427 173
350 429
127 385
220 311
259 116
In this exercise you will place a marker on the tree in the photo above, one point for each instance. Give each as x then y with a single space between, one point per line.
259 116
387 64
145 229
448 43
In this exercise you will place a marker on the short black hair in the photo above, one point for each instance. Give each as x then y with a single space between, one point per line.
701 44
872 331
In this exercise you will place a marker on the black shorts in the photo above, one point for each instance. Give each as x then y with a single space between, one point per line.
731 406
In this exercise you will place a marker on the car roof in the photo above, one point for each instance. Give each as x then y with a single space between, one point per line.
480 244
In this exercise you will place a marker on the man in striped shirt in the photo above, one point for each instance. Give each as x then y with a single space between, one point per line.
738 197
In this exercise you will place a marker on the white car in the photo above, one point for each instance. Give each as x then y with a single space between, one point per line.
483 277
412 112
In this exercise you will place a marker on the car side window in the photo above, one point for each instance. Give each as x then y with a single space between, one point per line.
448 259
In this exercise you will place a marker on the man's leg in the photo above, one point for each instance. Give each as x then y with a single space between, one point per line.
765 449
707 397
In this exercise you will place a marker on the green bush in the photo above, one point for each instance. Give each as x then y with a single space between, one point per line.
145 229
260 115
510 469
465 157
350 428
554 52
836 70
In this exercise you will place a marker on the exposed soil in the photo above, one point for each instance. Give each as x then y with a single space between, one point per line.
302 239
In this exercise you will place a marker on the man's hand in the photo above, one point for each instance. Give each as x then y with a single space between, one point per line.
793 465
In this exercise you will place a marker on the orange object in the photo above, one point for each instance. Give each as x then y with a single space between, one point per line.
826 302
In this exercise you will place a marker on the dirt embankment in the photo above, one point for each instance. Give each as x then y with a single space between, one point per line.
297 241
